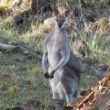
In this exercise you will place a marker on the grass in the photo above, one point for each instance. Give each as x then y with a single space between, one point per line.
25 77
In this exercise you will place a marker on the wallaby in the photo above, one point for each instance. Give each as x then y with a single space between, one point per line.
59 63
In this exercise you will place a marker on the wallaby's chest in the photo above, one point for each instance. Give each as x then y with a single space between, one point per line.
54 45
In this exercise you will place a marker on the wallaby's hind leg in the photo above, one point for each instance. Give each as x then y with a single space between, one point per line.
61 94
70 84
52 85
68 96
55 101
70 90
58 98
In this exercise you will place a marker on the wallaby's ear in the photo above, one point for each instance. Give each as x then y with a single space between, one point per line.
66 13
55 11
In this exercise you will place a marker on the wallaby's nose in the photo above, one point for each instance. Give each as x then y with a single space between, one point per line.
61 23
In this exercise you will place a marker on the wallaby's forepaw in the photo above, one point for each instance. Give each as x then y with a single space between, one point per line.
51 76
47 76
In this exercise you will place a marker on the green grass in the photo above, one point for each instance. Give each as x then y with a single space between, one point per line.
88 79
26 76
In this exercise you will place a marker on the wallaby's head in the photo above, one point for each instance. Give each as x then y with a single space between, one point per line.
60 19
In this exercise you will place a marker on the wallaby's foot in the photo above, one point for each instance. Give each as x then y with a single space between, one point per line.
67 108
56 104
52 105
61 103
47 76
51 76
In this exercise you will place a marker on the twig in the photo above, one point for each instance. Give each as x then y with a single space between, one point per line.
6 46
18 48
85 99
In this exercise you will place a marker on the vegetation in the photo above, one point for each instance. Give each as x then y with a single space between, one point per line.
21 76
